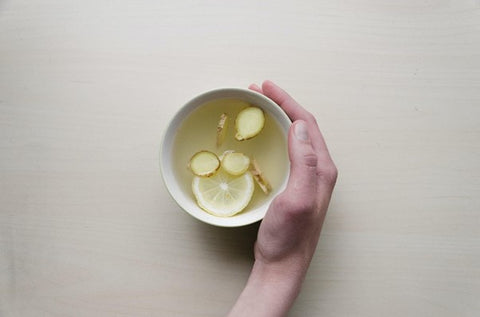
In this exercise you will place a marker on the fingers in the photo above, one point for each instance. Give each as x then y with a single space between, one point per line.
297 112
256 88
326 170
302 183
284 100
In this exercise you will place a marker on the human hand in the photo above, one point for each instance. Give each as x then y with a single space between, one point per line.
291 228
289 232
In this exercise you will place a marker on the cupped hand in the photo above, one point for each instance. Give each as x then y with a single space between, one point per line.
289 233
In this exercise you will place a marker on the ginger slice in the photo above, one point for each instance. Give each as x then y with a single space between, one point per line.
249 123
204 163
260 177
235 163
222 129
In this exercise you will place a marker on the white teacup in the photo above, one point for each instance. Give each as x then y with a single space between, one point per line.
186 200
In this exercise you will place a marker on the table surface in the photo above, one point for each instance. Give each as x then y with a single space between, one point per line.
87 88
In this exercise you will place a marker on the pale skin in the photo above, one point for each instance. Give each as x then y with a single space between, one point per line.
288 235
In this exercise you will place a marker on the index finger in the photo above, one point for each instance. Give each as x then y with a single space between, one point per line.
296 112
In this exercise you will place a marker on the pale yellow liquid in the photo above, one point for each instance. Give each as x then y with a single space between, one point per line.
198 131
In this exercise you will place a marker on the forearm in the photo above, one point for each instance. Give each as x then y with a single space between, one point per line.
270 290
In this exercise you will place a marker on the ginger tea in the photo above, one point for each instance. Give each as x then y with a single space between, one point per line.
198 131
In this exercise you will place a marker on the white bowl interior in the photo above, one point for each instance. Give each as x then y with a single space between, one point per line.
166 160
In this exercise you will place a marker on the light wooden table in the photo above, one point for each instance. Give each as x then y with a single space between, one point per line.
87 87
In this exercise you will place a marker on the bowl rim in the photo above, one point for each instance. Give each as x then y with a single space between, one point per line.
167 140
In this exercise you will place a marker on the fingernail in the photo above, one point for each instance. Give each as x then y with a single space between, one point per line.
301 131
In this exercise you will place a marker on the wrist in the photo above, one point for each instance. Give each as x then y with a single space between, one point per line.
285 277
271 289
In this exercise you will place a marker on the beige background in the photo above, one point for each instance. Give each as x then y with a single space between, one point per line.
87 87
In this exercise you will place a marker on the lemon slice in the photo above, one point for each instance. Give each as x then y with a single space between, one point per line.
222 194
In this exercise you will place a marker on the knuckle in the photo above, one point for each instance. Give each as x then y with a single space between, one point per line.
280 201
295 206
284 202
310 159
329 174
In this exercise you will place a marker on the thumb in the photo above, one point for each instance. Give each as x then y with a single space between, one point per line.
303 163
